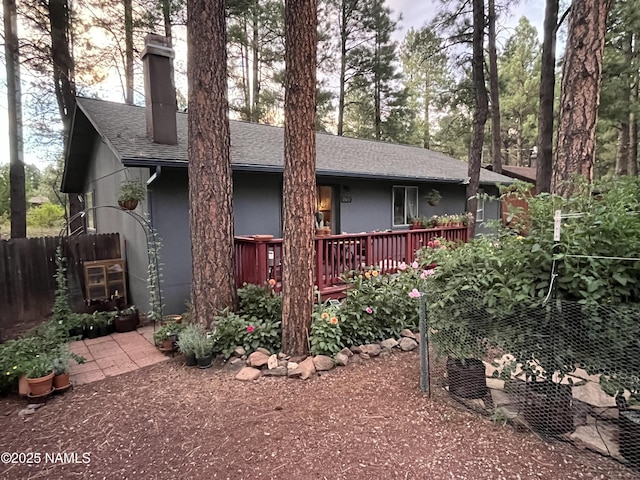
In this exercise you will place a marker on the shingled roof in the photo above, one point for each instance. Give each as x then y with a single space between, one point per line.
256 147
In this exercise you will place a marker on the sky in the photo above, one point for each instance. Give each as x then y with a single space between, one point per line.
415 13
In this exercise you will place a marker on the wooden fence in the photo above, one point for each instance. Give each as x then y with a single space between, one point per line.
27 275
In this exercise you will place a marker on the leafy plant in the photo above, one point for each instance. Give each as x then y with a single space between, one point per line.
39 366
132 190
433 197
189 338
61 310
167 330
260 302
45 215
203 346
325 336
61 359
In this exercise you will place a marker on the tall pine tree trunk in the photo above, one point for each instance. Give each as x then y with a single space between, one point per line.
18 204
581 81
495 94
343 67
622 155
255 47
427 115
128 51
213 285
64 85
480 114
299 174
544 168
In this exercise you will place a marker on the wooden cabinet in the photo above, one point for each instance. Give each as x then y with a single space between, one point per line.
104 279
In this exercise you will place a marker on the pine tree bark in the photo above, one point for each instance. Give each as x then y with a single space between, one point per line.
18 205
213 286
496 143
581 81
255 49
480 114
128 50
544 167
343 66
299 174
622 155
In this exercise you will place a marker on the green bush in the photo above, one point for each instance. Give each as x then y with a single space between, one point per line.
326 332
45 215
260 302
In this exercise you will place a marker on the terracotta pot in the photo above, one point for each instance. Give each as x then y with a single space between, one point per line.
23 386
320 232
128 204
171 319
61 381
40 386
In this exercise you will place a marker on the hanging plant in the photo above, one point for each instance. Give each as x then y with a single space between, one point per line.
433 197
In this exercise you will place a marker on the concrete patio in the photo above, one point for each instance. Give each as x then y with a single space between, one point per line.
114 354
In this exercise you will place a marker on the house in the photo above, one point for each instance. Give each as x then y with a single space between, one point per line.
362 185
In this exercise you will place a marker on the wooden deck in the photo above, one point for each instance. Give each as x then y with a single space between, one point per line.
259 258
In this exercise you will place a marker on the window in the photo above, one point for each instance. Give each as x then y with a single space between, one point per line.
480 207
405 205
90 217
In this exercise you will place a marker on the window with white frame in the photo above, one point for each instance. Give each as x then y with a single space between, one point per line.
405 205
480 207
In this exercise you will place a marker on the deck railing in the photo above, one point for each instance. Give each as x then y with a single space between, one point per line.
259 258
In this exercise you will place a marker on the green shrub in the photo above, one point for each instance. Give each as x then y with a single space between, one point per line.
260 302
326 334
45 215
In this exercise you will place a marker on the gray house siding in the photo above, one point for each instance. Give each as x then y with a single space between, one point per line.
104 177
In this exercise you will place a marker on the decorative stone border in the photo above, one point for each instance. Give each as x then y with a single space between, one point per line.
262 363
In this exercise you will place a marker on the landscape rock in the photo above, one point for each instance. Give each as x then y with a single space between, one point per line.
248 374
407 333
283 363
282 356
323 363
389 343
346 351
364 356
407 344
372 349
239 351
307 368
294 373
356 349
385 352
297 358
275 372
258 359
264 350
342 359
292 365
272 362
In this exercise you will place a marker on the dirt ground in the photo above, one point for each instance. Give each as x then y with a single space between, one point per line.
364 421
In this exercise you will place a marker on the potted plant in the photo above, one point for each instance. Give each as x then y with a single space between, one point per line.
60 364
131 192
433 197
40 376
126 320
187 343
166 336
203 350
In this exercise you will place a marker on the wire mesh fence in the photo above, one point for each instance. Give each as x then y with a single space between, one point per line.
561 368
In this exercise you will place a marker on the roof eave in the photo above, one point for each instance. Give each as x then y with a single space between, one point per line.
244 167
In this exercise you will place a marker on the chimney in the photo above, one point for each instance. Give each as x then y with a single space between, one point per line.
159 93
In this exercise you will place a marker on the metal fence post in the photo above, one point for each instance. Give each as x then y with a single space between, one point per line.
424 348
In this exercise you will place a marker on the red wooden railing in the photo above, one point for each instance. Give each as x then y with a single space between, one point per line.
259 258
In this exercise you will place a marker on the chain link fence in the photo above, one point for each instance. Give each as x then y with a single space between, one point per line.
560 368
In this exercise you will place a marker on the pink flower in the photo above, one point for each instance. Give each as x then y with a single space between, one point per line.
402 266
415 265
427 273
414 293
250 329
369 310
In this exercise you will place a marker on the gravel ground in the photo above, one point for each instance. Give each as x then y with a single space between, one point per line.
365 421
